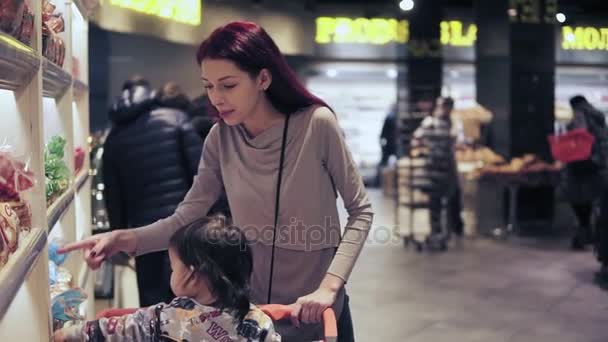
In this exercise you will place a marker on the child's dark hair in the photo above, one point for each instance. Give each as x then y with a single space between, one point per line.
220 252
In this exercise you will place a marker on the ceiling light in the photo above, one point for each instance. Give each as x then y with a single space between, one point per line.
406 5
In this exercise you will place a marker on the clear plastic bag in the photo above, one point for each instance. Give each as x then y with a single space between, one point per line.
15 179
11 14
64 305
56 258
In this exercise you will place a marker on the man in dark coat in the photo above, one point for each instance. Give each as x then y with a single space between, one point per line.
150 158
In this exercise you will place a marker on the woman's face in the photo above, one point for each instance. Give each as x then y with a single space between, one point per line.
232 91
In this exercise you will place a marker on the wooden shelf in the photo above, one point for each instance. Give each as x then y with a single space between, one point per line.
80 89
83 275
14 273
81 180
59 207
18 63
55 80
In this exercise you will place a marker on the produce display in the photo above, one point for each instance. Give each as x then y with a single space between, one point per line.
53 46
56 172
529 163
78 159
482 155
468 122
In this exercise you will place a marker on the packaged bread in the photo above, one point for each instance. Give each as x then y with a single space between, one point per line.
9 226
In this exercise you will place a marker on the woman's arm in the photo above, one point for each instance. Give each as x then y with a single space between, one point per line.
205 191
349 184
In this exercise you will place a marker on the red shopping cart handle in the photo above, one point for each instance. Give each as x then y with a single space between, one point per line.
113 312
280 312
276 312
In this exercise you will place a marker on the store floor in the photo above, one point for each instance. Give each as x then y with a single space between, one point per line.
480 290
522 290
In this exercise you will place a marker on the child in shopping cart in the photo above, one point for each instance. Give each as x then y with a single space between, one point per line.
211 264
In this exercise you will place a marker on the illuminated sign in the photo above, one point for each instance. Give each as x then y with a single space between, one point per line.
584 38
381 31
453 34
183 11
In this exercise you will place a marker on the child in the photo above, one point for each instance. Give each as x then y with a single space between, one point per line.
211 264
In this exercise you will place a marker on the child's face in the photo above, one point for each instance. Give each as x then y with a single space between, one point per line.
183 279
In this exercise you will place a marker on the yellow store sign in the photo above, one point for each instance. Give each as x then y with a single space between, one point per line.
380 31
584 38
183 11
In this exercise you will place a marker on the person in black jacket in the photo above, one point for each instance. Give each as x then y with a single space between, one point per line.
586 180
150 158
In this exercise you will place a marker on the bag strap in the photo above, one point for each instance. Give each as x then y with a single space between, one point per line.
276 206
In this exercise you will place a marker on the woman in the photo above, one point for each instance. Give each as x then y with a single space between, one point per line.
274 137
586 180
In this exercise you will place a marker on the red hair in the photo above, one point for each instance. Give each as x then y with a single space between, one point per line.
248 46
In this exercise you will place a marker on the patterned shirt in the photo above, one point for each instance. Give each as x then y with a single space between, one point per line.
182 320
435 145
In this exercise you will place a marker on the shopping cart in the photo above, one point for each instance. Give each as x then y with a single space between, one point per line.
276 312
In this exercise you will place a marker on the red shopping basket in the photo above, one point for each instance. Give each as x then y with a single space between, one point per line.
276 312
572 146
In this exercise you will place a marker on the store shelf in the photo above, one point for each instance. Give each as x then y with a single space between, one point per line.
80 88
55 80
13 274
86 7
18 63
81 180
59 207
83 275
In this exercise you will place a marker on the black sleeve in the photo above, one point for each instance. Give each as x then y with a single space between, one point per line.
112 191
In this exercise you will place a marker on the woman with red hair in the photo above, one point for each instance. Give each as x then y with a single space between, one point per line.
279 154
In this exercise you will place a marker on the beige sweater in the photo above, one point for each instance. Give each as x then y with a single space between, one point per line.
318 165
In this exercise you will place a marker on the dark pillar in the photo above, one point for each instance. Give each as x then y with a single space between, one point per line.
99 77
421 84
515 68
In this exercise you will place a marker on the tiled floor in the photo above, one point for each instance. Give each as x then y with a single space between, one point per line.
479 290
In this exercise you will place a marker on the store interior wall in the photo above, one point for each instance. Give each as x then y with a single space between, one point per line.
361 94
117 56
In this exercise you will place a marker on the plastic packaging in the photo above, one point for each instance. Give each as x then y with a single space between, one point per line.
56 258
65 303
15 180
25 30
9 227
11 14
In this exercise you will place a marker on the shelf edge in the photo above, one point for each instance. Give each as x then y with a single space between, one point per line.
55 80
11 285
81 180
59 207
